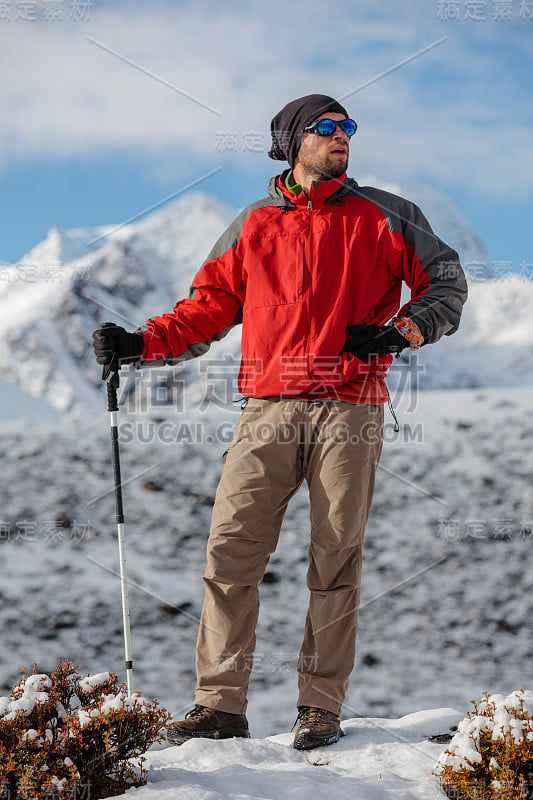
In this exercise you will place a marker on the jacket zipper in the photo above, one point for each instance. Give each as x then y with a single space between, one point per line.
309 295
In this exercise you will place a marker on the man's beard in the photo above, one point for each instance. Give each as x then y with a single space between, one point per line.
335 168
326 169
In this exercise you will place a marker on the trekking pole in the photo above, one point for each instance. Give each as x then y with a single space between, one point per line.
110 374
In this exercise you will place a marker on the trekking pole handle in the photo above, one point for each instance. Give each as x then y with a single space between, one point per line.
110 374
112 381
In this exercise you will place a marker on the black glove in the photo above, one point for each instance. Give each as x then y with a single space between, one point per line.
111 341
368 341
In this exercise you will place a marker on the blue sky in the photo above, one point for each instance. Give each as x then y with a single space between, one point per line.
108 108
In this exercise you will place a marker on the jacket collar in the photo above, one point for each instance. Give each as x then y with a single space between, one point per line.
321 192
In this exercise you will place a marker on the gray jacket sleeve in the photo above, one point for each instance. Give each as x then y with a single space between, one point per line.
437 307
433 270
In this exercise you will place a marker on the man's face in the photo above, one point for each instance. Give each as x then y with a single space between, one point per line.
325 156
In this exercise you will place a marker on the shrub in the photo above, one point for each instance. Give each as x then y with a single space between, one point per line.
62 736
491 755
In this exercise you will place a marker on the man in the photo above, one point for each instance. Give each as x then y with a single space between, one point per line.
314 272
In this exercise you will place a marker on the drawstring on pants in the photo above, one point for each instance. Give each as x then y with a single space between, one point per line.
391 408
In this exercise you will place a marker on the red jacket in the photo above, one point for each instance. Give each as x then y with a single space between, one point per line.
297 270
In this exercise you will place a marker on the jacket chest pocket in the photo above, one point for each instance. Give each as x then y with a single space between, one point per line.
274 268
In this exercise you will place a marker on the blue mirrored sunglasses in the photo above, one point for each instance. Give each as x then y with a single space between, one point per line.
326 127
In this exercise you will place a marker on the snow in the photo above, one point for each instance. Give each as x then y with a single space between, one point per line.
5 704
110 703
85 716
32 694
30 735
375 760
494 716
37 683
91 682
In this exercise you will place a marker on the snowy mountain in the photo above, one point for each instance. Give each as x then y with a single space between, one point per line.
66 286
16 403
445 218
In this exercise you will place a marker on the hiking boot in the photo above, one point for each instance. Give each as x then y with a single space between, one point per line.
207 723
317 728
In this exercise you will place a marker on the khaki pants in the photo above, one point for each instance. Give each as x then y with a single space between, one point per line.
334 446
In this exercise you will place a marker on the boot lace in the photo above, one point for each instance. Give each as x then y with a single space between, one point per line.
307 715
198 711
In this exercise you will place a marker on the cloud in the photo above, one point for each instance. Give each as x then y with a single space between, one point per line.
169 83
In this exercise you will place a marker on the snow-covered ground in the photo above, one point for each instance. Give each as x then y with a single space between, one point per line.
446 599
377 759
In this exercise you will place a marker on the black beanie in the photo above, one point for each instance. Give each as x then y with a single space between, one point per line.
288 124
